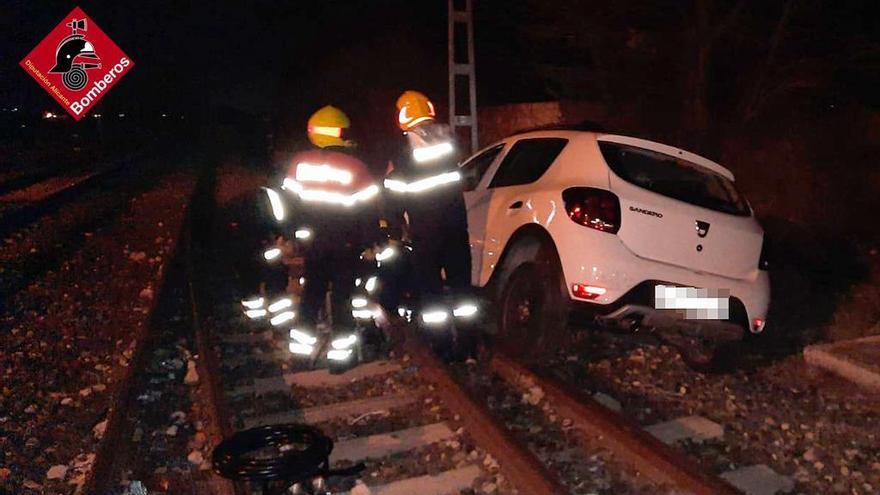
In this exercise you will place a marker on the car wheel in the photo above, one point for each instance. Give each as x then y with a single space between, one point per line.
533 308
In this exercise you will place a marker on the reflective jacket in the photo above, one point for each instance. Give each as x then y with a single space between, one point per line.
336 196
426 163
425 181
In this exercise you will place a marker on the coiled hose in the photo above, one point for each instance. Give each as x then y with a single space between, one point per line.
299 453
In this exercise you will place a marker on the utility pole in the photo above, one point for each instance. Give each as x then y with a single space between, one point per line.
461 70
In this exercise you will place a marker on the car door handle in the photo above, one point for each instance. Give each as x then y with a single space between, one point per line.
515 206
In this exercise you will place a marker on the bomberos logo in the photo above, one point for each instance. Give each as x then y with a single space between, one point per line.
77 63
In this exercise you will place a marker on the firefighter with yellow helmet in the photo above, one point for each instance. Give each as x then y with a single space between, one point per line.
336 219
425 183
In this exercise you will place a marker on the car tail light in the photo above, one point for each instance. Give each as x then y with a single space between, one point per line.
595 208
587 291
758 325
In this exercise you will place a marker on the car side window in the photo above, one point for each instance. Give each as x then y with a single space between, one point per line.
527 161
473 170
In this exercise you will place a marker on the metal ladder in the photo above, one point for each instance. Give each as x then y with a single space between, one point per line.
459 71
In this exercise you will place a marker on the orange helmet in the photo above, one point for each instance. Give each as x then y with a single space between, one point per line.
413 108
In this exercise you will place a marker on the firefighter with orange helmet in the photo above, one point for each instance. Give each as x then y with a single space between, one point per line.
336 218
426 184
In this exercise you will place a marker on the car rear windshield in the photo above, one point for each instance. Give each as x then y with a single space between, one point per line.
674 178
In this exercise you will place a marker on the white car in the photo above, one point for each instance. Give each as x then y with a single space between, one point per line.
636 233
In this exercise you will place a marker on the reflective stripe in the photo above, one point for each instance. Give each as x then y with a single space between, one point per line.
302 337
282 318
344 342
271 254
435 316
371 284
332 197
255 303
326 130
386 254
308 172
464 311
432 152
283 303
422 184
277 205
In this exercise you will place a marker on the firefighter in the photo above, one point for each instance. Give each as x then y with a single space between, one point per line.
336 219
265 276
426 183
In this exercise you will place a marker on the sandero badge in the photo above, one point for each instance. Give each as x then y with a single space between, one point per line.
77 63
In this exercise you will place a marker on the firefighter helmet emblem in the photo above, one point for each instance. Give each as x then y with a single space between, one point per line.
74 56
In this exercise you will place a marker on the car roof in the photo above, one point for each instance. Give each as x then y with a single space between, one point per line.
573 134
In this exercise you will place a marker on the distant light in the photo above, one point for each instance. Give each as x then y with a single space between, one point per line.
121 115
359 302
302 281
303 234
96 115
49 115
164 115
371 284
15 109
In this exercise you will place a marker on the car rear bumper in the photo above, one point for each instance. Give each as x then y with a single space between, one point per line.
602 260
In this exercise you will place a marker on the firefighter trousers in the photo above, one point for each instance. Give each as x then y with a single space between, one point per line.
324 265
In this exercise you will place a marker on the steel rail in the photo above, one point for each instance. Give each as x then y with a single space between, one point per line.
516 462
627 440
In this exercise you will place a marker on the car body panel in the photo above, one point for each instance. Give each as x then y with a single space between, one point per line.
641 251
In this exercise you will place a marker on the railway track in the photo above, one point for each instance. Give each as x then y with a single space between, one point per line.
419 425
23 206
768 428
415 424
47 234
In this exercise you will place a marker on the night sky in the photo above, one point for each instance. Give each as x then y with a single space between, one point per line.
281 60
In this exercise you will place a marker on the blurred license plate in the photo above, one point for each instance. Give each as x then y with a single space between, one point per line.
693 303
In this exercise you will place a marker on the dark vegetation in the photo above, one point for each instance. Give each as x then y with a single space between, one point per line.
780 92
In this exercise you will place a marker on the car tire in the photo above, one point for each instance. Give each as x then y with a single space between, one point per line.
533 308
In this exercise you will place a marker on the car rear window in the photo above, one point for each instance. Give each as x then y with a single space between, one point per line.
527 161
674 178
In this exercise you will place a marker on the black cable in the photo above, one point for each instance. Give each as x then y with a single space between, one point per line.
231 459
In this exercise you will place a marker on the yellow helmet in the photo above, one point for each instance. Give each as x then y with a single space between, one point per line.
413 108
327 126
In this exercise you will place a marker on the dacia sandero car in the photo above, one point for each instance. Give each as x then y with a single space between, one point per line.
634 233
